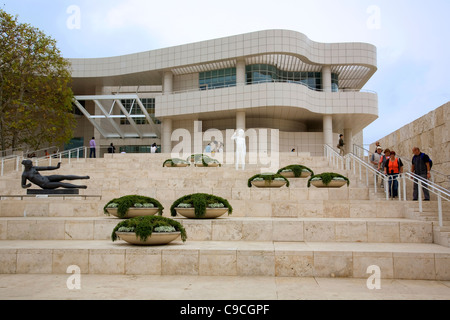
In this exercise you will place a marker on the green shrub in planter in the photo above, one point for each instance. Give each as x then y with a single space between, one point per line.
327 177
200 201
132 201
268 177
206 160
145 226
296 169
175 161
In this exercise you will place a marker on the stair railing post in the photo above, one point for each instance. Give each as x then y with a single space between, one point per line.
386 187
375 181
441 223
404 186
419 196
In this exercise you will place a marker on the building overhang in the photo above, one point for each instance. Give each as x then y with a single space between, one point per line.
107 122
353 109
355 63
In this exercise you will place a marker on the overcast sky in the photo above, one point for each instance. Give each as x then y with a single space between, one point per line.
412 37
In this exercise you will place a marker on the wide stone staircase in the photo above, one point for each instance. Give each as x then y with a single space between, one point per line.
295 231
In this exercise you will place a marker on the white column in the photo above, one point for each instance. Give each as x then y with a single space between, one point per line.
166 143
348 139
328 130
240 120
327 119
240 73
168 82
326 79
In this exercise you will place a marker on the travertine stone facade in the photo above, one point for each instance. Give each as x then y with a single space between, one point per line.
270 79
431 133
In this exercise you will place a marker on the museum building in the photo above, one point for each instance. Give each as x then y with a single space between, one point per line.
274 79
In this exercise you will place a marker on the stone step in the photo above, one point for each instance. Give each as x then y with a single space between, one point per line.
441 236
252 159
244 205
116 186
272 232
145 173
51 207
232 229
229 258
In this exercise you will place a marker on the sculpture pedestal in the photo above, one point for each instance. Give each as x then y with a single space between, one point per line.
49 192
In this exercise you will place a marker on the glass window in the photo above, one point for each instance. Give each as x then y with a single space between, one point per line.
259 73
137 149
334 82
217 79
133 108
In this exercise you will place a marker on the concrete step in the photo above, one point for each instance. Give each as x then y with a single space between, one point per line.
51 207
229 258
159 173
232 229
441 235
296 231
245 203
167 186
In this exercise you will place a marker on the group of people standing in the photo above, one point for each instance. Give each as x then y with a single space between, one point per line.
392 166
213 147
112 148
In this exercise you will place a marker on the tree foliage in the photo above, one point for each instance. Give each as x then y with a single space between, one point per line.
35 93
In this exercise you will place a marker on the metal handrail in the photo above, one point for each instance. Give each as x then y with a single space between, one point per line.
67 154
4 152
358 150
199 89
21 152
441 192
350 160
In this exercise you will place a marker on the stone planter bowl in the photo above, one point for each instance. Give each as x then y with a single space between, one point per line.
209 165
332 184
155 239
290 174
267 184
176 165
211 213
134 212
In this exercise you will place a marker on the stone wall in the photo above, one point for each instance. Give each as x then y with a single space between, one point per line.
431 133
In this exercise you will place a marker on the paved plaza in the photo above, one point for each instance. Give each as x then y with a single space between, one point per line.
195 288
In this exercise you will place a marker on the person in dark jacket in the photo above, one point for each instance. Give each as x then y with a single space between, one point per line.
341 145
111 148
421 166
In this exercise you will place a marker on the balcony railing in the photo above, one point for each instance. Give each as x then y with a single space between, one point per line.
206 88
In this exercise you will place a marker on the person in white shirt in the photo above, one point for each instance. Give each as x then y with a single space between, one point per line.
92 147
375 160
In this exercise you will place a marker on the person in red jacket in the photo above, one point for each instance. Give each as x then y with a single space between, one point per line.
393 168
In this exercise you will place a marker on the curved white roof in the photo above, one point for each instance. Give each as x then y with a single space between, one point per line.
288 50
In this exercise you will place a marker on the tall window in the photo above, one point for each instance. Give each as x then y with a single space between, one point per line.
217 79
133 108
260 73
334 82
